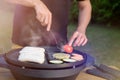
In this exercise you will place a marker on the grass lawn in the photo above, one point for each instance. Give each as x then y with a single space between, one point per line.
103 44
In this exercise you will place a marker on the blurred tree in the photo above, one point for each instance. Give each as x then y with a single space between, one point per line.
106 11
103 11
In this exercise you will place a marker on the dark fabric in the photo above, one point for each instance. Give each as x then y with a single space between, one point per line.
28 31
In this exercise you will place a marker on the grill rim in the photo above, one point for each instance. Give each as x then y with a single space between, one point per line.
17 63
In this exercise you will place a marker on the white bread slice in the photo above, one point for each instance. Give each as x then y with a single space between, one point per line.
32 54
32 49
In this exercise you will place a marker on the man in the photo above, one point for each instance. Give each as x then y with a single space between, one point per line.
44 22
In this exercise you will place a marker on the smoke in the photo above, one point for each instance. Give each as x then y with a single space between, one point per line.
37 37
33 34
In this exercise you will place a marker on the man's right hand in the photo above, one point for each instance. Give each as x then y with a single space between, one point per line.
43 15
42 12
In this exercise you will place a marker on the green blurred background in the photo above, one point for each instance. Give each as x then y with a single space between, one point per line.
103 12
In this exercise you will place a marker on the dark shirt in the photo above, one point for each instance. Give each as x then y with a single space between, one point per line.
27 30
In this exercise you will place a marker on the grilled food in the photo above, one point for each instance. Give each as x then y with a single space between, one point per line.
61 56
69 60
56 61
68 49
32 54
77 57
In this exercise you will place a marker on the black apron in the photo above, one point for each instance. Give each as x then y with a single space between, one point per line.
27 30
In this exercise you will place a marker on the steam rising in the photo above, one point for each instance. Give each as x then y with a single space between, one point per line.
6 25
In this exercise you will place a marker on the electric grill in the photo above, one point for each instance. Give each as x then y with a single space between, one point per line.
46 71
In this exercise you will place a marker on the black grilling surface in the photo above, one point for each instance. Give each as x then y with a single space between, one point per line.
12 58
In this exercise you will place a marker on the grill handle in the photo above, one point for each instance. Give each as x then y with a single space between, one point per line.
98 73
109 70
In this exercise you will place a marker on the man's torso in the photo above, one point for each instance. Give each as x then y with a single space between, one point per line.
27 30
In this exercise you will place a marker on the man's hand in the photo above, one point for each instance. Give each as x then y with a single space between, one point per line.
43 15
42 12
78 39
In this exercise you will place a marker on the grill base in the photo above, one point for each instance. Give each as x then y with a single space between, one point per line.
31 74
22 77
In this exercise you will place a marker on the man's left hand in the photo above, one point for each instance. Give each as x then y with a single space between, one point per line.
77 39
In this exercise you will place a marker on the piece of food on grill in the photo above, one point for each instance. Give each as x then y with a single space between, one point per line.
32 54
69 60
67 48
56 61
61 56
32 49
77 57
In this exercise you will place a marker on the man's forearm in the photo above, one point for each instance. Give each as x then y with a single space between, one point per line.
84 15
43 14
28 3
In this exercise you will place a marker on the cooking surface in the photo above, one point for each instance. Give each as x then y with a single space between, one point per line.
46 65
